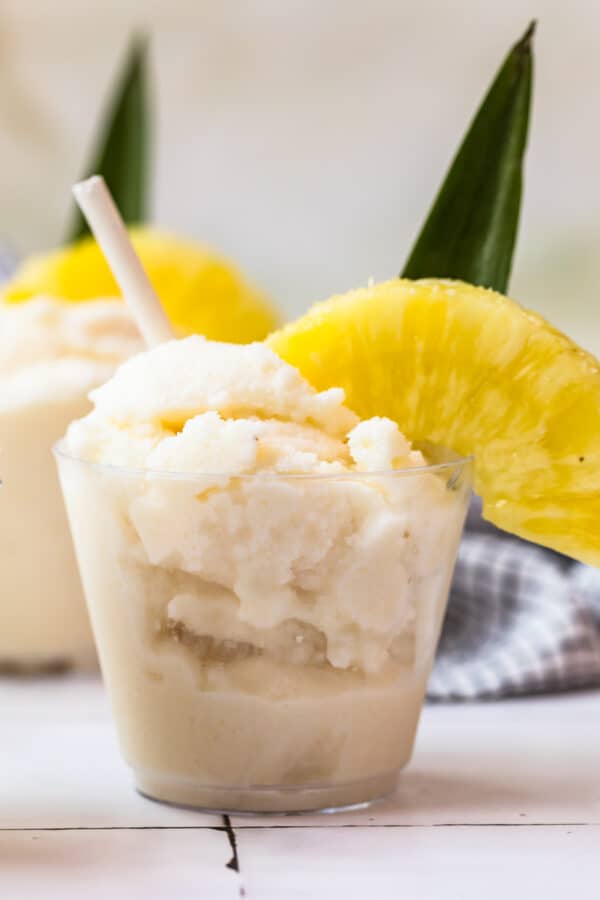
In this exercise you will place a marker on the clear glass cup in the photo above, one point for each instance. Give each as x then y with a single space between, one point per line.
266 639
44 625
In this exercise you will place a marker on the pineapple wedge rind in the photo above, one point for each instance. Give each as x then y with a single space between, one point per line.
469 369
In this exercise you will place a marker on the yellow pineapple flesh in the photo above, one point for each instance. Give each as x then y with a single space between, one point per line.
470 370
200 291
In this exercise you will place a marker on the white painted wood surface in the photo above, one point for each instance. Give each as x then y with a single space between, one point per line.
501 800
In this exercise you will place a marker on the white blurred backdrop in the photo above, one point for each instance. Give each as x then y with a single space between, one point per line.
306 138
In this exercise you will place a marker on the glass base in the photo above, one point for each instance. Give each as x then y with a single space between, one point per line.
38 665
34 667
284 800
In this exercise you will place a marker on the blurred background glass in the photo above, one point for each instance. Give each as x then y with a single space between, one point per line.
306 138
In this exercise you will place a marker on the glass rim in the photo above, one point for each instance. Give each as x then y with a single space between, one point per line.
460 462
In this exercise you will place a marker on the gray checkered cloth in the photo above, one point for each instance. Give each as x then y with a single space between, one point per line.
520 620
7 262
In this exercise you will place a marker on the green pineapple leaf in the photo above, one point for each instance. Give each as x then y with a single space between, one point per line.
471 230
122 148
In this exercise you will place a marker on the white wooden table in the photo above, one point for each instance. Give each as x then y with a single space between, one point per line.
502 800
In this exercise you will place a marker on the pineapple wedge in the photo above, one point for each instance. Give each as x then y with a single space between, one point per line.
201 292
470 370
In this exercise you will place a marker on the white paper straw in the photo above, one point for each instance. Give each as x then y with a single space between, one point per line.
104 219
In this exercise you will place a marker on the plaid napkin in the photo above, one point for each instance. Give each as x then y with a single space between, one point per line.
7 263
520 620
